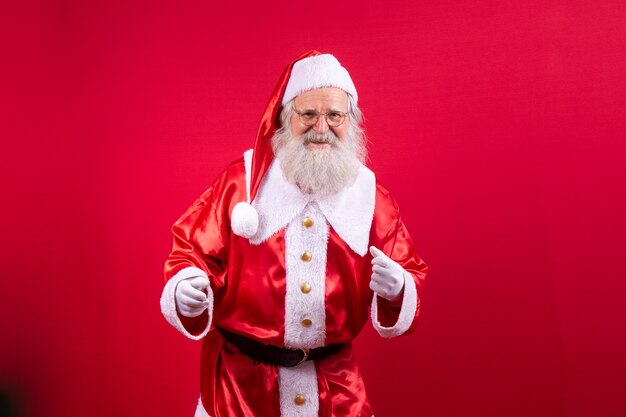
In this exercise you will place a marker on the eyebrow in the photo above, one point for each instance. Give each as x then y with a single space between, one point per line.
331 109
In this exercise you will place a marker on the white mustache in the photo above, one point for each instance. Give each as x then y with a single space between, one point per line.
314 137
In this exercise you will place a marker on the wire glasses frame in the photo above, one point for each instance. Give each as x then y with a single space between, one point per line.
310 117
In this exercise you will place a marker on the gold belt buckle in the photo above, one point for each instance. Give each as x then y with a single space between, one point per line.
305 355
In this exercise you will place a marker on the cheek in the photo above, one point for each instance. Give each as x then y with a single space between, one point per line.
341 132
295 132
297 128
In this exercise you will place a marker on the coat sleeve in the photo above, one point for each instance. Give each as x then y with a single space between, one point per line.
399 317
200 248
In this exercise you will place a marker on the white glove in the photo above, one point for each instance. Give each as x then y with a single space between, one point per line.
387 276
191 298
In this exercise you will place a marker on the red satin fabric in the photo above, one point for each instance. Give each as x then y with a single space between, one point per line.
263 154
232 384
249 287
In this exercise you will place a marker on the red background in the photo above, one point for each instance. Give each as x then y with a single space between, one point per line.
498 126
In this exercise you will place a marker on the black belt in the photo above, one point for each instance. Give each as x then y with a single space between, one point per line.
275 355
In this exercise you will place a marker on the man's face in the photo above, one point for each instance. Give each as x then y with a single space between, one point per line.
321 100
319 159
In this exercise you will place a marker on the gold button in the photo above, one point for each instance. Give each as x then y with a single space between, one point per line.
306 256
299 400
305 288
307 222
306 322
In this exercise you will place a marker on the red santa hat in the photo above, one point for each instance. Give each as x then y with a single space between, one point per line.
308 71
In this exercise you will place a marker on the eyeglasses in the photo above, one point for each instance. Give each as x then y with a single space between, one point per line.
310 117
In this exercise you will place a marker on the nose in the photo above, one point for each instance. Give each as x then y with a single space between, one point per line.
321 126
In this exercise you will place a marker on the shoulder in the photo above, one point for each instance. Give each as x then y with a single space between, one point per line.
236 170
386 205
386 217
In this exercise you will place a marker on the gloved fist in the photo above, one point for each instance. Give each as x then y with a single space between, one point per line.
191 298
387 276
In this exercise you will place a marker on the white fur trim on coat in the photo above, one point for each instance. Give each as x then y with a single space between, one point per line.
299 380
349 212
317 72
168 301
407 310
200 411
298 305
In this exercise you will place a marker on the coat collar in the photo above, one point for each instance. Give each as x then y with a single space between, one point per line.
349 212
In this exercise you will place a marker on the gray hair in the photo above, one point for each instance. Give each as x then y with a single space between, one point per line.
355 130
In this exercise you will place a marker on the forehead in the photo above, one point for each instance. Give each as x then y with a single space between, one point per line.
323 98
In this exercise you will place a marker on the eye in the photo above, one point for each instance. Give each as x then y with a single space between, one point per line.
308 115
335 116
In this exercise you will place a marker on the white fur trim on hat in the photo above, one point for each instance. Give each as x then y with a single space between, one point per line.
244 220
317 72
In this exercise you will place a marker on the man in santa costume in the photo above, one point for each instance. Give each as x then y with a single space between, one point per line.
277 266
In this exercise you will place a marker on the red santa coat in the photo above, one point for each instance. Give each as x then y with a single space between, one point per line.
302 281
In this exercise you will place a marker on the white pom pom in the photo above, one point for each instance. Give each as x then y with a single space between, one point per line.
244 220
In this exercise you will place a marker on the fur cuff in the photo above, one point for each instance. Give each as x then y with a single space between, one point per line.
407 311
168 302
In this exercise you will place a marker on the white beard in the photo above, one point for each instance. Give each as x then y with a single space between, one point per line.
322 171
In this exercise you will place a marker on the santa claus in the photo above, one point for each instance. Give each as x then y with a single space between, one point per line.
277 266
